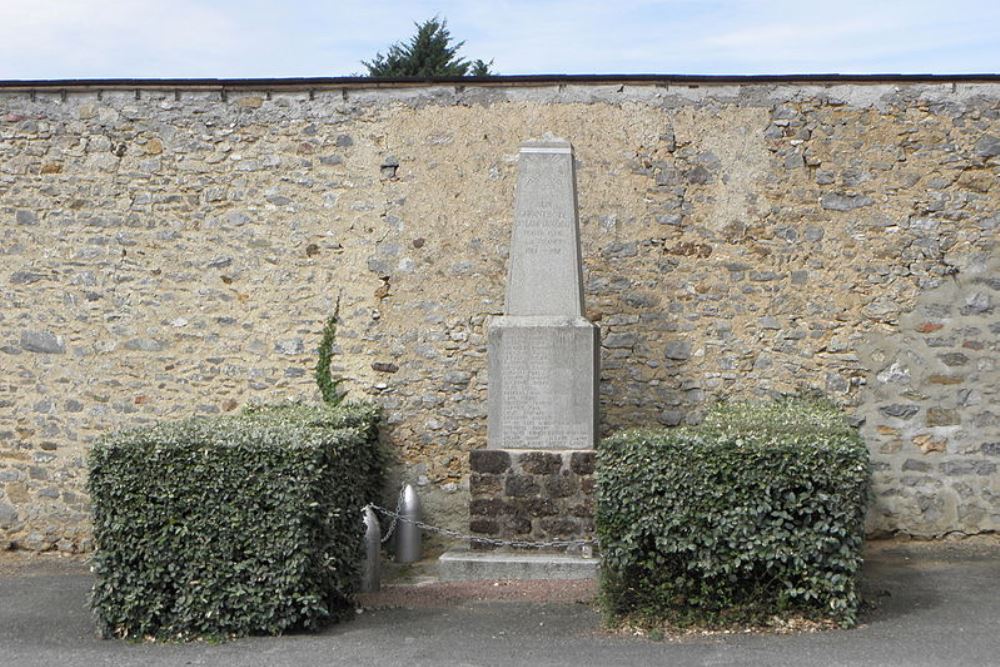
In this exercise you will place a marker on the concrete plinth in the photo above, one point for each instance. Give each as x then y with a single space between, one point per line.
461 564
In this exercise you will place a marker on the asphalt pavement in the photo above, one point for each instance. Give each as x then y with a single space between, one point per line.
935 604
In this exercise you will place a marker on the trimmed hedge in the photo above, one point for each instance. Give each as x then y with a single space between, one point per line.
757 512
233 525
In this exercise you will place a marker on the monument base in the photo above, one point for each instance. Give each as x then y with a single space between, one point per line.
460 564
532 496
543 382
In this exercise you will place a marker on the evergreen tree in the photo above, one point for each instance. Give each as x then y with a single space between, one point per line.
429 52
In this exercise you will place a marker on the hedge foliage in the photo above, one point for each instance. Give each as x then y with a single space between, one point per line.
757 512
232 525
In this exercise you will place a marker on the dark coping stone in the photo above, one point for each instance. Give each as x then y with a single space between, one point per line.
484 526
582 463
521 485
561 486
490 507
489 460
484 485
541 463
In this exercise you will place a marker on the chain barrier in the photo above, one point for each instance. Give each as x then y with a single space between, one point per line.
454 534
395 515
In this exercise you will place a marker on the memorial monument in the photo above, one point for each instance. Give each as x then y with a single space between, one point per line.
543 353
532 488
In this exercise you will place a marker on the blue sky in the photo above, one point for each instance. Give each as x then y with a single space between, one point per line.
49 39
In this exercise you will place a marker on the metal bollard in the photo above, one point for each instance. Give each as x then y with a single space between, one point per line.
371 573
408 537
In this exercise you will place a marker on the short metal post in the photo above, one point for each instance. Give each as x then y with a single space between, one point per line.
408 538
372 572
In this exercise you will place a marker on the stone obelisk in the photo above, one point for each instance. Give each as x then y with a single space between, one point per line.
543 353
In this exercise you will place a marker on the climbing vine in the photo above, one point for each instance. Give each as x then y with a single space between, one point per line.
329 387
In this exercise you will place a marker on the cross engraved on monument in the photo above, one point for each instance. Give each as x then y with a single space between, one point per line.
543 353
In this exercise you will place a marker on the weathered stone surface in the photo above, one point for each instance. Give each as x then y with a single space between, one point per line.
8 515
543 383
484 526
545 275
679 350
445 210
480 484
899 410
988 146
534 496
543 354
583 463
942 417
521 485
840 202
491 507
489 461
541 463
43 342
561 486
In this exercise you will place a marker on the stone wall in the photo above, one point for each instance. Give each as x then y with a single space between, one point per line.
176 252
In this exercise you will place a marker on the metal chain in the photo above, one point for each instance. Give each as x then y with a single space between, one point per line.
395 515
521 544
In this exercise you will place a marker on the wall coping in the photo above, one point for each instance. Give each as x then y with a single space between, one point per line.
517 81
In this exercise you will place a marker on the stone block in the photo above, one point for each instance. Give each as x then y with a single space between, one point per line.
533 507
484 526
582 463
42 342
521 485
543 383
489 461
485 485
489 507
899 411
561 486
520 525
943 417
540 463
559 526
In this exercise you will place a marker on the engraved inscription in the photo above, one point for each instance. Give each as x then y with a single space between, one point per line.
538 396
544 270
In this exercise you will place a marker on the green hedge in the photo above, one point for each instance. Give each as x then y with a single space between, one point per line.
233 525
757 512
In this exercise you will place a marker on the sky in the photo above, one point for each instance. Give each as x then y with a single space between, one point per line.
70 39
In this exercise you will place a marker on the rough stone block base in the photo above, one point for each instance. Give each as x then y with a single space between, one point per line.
532 495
